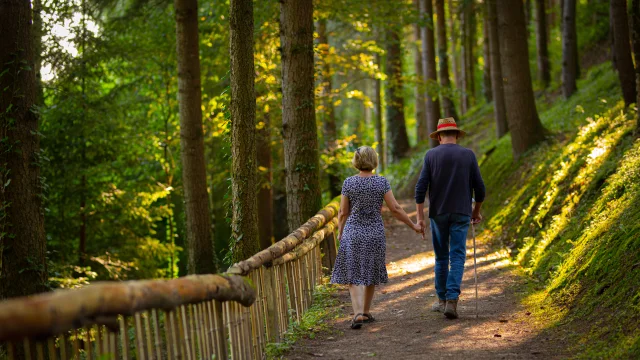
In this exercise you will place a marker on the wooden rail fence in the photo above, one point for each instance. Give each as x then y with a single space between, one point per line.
233 315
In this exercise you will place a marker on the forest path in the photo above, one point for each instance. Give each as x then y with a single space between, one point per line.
405 328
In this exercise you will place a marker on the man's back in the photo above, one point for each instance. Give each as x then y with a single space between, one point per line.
451 175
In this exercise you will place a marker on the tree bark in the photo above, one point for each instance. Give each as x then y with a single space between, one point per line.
569 49
464 49
497 87
377 115
420 88
23 267
524 123
201 257
486 73
328 114
244 223
472 60
298 112
624 63
265 180
635 35
448 107
398 141
455 58
544 71
429 68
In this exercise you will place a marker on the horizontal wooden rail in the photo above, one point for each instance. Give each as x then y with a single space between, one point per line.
288 243
308 244
52 313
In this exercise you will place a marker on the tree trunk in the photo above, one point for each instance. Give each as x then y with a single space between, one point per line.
527 15
377 115
398 141
524 123
626 72
612 45
328 114
455 66
464 49
448 107
420 88
23 267
635 35
244 223
486 73
201 257
429 68
265 180
544 71
497 86
298 112
472 60
569 49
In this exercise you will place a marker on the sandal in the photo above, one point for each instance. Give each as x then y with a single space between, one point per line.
369 318
355 323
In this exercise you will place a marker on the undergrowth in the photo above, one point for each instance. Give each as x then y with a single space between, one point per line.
314 321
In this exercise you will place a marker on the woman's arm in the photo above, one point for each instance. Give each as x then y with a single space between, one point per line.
398 212
343 214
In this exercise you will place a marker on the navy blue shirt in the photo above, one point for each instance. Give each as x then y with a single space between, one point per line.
451 175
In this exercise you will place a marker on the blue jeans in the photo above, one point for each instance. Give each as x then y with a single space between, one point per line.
454 252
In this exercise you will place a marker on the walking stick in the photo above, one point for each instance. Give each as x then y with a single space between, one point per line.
475 266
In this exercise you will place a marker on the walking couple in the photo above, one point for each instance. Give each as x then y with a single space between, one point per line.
451 176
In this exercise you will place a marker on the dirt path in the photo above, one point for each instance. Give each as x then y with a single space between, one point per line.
407 329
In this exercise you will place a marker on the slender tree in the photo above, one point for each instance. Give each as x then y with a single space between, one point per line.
328 113
497 86
486 73
635 35
377 116
298 112
527 15
544 71
429 68
23 269
524 123
448 107
455 58
419 90
467 66
265 180
244 223
624 63
199 244
569 49
398 141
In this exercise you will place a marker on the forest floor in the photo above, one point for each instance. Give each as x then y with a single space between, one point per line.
405 328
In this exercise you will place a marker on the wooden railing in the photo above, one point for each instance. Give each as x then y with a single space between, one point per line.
223 316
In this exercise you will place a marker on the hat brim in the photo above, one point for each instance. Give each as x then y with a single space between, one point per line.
434 135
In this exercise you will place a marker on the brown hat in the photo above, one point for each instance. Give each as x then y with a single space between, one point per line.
446 124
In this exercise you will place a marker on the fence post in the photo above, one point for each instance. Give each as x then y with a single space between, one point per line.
273 335
331 250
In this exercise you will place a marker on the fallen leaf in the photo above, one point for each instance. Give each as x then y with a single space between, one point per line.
504 320
527 313
384 291
497 335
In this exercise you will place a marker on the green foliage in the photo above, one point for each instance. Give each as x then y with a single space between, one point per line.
314 321
569 211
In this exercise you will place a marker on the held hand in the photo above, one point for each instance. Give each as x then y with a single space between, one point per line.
417 228
423 225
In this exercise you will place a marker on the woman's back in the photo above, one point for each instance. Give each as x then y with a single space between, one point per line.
365 195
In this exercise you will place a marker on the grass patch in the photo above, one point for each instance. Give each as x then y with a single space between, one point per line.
313 322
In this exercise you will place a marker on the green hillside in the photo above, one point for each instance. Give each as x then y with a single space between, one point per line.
569 211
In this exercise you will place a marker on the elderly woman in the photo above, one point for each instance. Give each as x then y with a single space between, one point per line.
361 258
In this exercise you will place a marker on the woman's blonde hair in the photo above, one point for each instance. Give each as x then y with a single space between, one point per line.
365 159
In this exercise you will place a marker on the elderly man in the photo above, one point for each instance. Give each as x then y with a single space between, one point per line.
451 175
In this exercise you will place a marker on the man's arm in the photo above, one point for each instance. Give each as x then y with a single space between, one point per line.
478 190
421 192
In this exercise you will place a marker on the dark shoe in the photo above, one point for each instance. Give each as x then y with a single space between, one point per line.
451 309
369 318
355 323
438 306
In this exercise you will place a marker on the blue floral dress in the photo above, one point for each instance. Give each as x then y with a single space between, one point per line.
361 256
